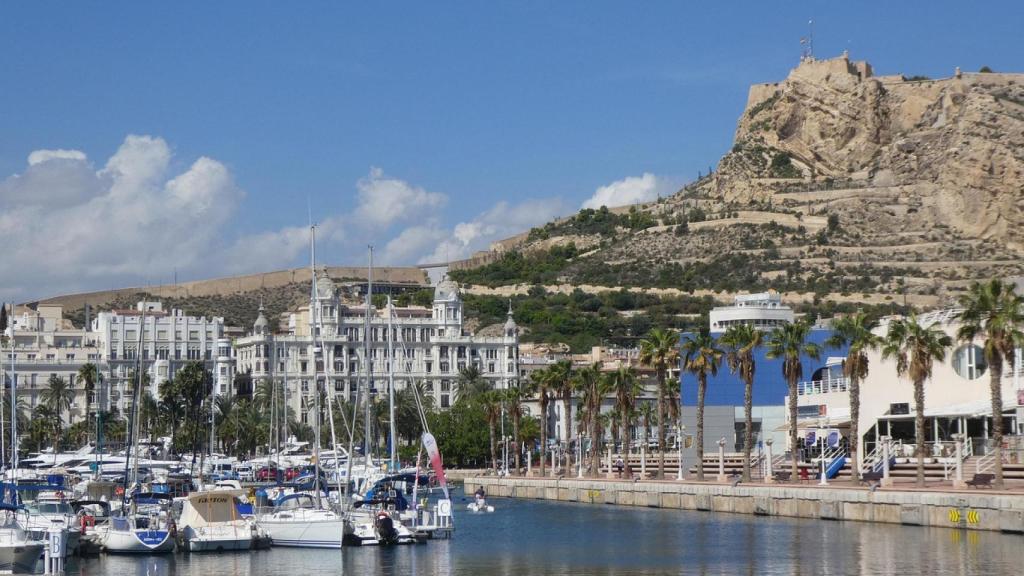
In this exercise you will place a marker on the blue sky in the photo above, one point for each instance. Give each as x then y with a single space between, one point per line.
445 108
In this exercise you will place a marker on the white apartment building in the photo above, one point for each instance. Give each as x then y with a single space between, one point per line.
763 310
169 341
957 397
430 345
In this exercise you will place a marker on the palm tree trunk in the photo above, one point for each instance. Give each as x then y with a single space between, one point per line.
567 411
702 385
748 422
515 436
794 447
494 452
854 430
595 435
624 430
919 429
661 424
996 389
543 433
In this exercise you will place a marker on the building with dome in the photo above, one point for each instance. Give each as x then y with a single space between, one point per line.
428 345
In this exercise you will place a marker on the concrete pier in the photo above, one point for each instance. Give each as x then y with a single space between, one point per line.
975 510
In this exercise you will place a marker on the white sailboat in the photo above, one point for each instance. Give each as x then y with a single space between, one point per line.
134 531
19 552
303 520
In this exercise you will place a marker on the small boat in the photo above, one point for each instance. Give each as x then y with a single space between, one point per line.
19 552
298 521
210 521
51 510
144 528
376 520
479 505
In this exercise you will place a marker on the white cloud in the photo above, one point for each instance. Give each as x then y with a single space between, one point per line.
384 200
630 190
40 156
65 227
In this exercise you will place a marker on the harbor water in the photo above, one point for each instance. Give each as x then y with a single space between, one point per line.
532 537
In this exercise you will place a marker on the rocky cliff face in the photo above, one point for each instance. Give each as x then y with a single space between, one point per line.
954 148
839 182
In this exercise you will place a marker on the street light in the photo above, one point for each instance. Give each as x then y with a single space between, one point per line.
679 441
823 428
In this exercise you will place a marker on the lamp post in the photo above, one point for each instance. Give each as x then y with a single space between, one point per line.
958 480
680 438
823 438
771 473
721 460
886 481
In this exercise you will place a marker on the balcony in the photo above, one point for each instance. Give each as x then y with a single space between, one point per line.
822 386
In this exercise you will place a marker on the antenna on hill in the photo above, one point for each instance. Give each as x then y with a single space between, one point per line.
807 43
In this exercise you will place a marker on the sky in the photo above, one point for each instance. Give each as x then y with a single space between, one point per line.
143 142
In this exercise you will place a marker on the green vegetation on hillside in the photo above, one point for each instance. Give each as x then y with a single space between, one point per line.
589 221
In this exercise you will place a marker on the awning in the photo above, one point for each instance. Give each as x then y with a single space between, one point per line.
975 409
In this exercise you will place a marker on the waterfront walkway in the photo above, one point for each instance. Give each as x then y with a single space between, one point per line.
901 503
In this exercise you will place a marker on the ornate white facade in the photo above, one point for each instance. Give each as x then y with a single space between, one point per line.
430 346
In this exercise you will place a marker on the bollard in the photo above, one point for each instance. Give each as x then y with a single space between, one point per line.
55 550
958 481
771 473
721 461
886 480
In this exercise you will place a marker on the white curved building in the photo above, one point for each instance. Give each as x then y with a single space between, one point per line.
763 310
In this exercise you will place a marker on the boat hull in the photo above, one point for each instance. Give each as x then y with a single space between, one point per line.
138 542
305 533
19 558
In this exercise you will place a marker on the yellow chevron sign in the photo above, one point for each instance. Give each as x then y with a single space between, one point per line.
973 517
954 516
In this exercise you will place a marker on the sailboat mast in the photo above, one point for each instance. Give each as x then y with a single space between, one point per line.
392 464
316 353
366 354
130 452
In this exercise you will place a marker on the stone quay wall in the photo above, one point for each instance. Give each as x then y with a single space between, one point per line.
975 510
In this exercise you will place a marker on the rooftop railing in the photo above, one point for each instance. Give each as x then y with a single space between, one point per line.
822 386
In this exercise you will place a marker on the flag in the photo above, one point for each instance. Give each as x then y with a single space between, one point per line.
435 460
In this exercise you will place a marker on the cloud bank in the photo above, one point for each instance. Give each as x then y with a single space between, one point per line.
630 190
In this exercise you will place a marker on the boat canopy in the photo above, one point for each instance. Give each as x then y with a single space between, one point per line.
205 508
151 498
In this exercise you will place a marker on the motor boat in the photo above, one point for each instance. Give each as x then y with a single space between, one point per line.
298 520
51 510
479 503
376 520
210 521
19 551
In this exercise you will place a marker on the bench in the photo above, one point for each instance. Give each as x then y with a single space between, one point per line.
981 480
782 476
871 478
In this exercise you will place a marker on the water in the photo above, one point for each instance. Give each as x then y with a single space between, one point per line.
528 537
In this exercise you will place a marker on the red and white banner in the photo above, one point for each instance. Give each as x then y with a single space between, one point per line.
435 460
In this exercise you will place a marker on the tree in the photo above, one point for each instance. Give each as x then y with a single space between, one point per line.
994 312
470 383
916 348
3 318
592 387
561 383
58 397
88 374
660 351
701 358
491 402
789 343
741 340
624 385
539 381
514 395
857 332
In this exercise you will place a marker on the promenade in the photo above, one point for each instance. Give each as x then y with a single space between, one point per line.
970 509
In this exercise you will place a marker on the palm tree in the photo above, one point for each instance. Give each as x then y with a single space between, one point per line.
789 343
741 340
916 348
995 312
514 396
857 332
58 396
624 384
561 382
701 358
538 385
592 387
660 350
491 402
88 374
470 383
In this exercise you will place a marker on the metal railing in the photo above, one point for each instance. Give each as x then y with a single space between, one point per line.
950 464
822 386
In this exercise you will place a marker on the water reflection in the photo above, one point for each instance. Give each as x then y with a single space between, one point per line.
526 538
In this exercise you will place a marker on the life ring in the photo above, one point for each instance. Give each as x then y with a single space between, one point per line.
60 494
119 490
87 521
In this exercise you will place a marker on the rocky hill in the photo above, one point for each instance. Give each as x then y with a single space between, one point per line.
840 183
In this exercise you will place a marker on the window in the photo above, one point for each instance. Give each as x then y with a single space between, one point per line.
69 356
193 334
445 367
430 366
969 362
446 385
130 335
161 335
303 366
445 401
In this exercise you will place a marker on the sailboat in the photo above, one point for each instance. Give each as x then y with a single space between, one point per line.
136 530
303 520
19 552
